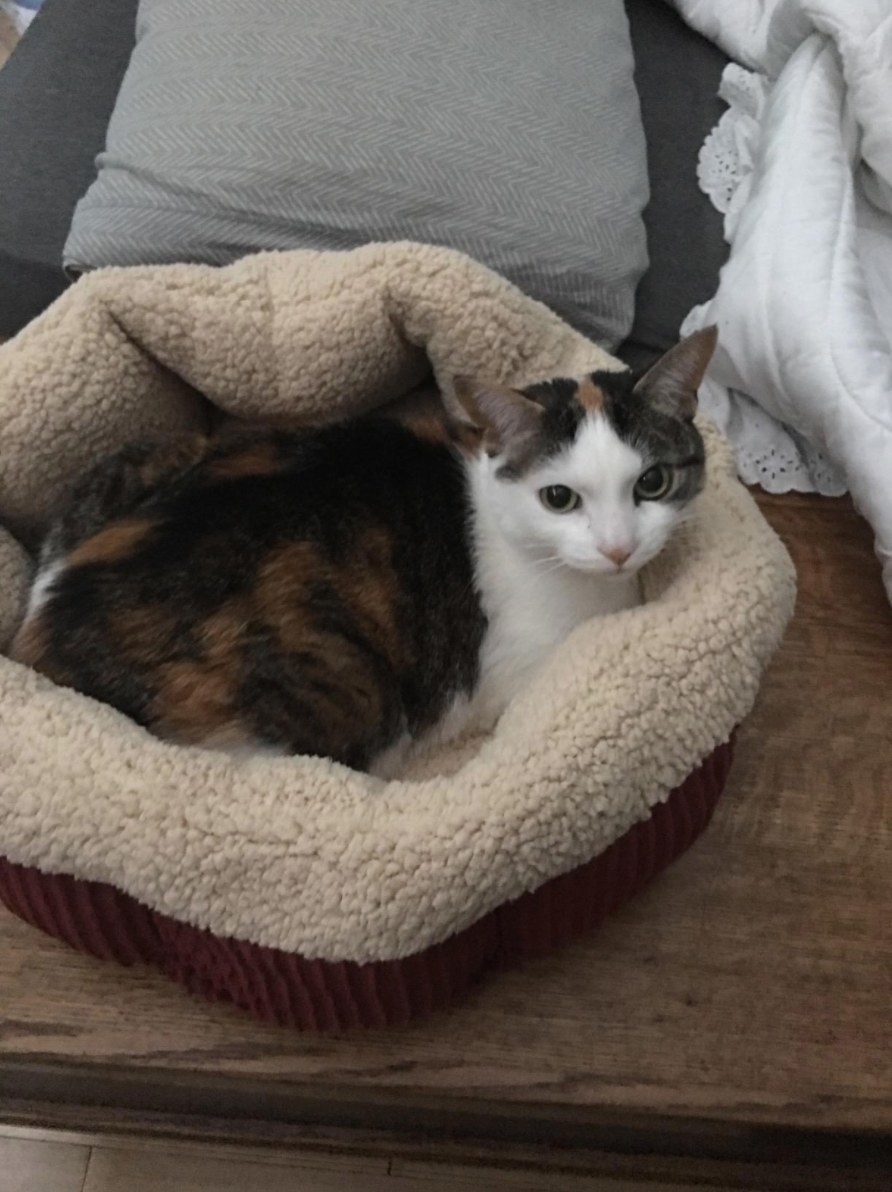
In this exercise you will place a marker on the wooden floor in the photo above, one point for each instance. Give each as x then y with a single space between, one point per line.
32 1162
729 1028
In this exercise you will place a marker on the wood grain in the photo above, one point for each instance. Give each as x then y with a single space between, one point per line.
135 1171
737 1011
135 1165
160 1171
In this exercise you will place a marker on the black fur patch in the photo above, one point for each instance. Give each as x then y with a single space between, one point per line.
314 591
657 436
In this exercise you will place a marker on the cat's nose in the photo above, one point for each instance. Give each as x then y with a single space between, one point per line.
619 554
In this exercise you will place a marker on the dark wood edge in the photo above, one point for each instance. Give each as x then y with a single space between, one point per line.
160 1104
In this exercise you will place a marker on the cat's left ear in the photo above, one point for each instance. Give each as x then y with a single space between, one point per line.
672 383
507 418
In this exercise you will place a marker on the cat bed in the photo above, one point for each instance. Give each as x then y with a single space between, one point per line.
295 887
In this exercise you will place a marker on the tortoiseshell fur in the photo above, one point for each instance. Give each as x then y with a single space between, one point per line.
314 592
318 592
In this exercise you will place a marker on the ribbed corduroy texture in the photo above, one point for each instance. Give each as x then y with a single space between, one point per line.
317 995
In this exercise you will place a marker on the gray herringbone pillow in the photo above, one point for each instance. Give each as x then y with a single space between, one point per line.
506 128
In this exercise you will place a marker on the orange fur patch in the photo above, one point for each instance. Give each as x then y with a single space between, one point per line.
366 588
261 459
422 412
590 396
428 425
142 633
110 545
32 646
196 701
281 581
30 642
220 635
196 704
369 589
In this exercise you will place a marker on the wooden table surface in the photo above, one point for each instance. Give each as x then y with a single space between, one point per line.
729 1028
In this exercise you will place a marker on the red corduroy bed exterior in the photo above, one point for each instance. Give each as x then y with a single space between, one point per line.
316 995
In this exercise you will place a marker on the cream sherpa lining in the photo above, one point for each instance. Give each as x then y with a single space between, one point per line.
303 854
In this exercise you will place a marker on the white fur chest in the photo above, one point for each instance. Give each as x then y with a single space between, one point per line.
531 605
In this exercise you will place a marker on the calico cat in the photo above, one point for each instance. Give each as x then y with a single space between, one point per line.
348 590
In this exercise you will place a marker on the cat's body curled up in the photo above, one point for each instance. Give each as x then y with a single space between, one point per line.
345 591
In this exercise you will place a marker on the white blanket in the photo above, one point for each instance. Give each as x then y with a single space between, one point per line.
804 305
20 12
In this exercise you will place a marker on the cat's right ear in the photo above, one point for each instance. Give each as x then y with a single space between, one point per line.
672 383
508 420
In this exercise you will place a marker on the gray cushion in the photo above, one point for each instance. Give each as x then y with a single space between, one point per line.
57 94
509 129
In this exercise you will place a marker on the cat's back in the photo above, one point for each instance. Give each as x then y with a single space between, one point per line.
293 479
228 597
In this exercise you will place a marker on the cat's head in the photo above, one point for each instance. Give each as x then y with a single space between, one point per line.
593 473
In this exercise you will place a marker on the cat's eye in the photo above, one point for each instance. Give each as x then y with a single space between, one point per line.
559 499
654 483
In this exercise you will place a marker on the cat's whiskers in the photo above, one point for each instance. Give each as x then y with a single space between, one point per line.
684 526
560 565
536 550
547 565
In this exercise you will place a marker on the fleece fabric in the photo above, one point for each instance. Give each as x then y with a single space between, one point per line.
300 853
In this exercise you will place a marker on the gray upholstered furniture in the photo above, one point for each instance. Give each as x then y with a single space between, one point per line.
58 90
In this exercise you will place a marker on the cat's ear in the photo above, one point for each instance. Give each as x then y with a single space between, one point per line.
671 384
508 419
